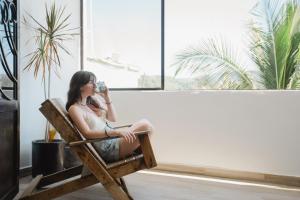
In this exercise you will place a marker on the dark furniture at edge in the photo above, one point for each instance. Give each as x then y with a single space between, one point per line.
9 149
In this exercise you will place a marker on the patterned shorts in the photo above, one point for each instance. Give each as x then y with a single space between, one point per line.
108 149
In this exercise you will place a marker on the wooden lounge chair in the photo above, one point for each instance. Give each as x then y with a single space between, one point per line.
109 175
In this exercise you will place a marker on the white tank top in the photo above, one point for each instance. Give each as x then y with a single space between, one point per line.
95 122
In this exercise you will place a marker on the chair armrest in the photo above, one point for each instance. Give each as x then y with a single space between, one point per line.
127 125
81 142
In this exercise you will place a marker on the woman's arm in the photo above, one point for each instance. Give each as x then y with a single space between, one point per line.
77 117
111 112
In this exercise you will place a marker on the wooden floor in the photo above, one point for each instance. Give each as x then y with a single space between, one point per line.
161 186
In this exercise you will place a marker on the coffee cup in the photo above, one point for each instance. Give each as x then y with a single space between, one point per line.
100 87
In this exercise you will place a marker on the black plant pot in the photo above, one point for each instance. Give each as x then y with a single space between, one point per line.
47 157
70 158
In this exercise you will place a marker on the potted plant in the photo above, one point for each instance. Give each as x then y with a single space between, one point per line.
47 154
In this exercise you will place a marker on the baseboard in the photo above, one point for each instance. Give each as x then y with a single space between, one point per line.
231 174
25 171
215 172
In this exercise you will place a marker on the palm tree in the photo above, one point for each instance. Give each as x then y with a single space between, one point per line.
274 48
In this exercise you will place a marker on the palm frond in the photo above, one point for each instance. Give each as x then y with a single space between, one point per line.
292 61
294 82
273 43
215 59
296 21
39 24
263 51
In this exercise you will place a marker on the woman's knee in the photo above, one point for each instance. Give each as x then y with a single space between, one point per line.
146 125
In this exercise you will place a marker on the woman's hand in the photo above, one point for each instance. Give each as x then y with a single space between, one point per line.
128 135
106 91
105 94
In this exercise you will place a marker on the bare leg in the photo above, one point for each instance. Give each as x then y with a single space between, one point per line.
126 148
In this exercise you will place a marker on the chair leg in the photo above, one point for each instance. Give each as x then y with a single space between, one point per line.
117 191
32 186
123 185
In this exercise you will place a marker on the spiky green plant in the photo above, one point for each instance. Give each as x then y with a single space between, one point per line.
274 48
49 39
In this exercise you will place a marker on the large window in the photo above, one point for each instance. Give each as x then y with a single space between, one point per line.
209 44
123 42
232 44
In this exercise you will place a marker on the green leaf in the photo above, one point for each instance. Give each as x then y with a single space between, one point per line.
49 39
217 61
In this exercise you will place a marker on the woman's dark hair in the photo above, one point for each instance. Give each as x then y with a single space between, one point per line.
78 80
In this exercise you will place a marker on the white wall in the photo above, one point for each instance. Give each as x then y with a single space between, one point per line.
31 90
254 131
240 130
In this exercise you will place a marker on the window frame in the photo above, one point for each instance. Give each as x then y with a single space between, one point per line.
162 84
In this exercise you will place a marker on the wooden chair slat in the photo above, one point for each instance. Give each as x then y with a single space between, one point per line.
59 176
147 151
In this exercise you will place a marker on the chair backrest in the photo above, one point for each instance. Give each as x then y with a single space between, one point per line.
55 112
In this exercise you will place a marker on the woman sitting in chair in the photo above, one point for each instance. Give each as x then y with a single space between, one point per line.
90 111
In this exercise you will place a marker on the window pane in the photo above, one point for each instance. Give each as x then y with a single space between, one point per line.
243 55
122 42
